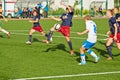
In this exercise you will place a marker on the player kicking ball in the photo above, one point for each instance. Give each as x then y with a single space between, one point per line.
1 29
91 29
64 28
36 26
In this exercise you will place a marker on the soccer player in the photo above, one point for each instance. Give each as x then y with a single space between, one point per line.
36 26
1 29
91 29
65 26
113 33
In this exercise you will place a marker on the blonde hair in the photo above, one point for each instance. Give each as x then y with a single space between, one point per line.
88 17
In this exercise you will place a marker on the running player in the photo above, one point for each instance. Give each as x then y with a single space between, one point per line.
1 29
91 29
36 27
112 32
65 26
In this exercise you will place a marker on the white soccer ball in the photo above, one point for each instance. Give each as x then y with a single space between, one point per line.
41 11
57 26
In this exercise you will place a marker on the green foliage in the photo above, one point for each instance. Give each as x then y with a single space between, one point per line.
59 11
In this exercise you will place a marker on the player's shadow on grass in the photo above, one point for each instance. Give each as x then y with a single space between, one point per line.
1 36
57 47
36 40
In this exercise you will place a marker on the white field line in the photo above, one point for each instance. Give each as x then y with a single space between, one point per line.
48 31
68 76
53 36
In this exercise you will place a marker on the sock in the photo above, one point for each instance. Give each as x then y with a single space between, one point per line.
109 50
30 38
4 31
70 45
82 57
50 35
92 53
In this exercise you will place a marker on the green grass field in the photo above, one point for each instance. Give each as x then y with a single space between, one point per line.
18 60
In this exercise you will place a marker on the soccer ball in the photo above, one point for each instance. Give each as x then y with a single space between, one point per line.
41 11
57 26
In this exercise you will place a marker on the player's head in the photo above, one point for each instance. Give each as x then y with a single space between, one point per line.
118 17
87 18
109 13
116 10
35 13
69 8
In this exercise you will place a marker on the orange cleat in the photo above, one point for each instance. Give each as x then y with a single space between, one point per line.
8 34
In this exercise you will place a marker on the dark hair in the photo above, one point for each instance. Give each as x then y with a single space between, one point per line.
117 7
111 11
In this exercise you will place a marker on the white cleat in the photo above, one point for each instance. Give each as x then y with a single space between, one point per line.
97 59
28 42
82 63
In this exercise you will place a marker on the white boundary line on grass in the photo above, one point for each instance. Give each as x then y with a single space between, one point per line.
68 76
55 36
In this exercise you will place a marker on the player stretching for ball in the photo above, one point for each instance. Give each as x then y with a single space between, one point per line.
91 29
114 34
1 29
64 27
36 27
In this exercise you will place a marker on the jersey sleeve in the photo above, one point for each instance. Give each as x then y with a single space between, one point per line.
87 25
113 21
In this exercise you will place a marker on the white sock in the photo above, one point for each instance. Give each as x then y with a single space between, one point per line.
4 31
82 57
92 53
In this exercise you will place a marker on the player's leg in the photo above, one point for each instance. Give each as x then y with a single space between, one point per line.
82 56
118 40
93 55
30 36
109 45
6 32
70 45
49 36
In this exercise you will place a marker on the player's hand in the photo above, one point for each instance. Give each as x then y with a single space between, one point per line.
30 21
115 38
78 33
52 17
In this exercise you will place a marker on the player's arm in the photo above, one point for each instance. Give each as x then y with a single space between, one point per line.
57 19
84 32
4 17
34 21
116 30
67 6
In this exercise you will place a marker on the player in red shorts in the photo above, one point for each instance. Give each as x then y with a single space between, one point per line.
114 33
64 27
118 30
36 26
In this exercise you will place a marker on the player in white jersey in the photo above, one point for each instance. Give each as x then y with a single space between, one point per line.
91 29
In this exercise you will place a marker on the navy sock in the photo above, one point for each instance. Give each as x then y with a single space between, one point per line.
30 38
70 45
109 49
50 35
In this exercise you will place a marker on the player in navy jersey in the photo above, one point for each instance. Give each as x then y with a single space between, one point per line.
36 26
113 33
66 19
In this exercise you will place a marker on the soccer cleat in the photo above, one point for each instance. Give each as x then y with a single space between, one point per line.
82 63
8 34
46 41
28 42
109 58
72 52
97 59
